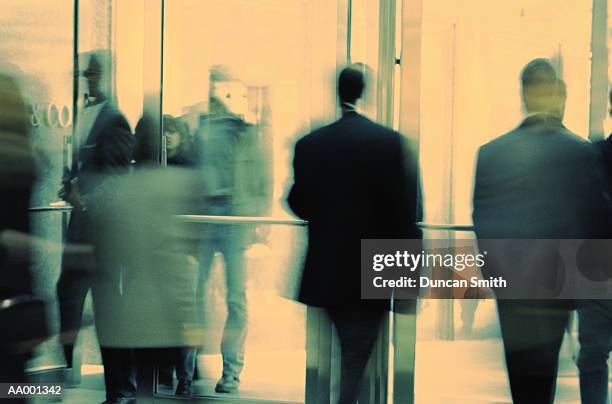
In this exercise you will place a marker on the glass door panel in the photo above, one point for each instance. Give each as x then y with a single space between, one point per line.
243 80
472 55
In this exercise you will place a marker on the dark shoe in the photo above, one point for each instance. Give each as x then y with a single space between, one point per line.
196 372
165 378
227 384
184 389
121 400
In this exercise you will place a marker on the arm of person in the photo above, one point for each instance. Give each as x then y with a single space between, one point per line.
116 152
300 195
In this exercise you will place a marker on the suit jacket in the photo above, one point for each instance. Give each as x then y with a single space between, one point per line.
539 181
351 182
106 151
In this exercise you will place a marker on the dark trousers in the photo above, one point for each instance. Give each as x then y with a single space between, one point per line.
12 370
122 366
532 332
180 359
357 331
72 289
595 335
119 372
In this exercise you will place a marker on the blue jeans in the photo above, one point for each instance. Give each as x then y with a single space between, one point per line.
229 240
595 336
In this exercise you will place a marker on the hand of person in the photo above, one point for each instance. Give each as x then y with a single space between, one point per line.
70 193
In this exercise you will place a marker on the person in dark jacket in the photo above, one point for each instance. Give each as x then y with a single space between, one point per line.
235 182
17 176
352 181
595 320
104 145
534 184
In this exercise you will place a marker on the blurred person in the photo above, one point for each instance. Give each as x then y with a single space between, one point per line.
351 182
595 321
180 148
595 337
22 315
235 182
534 185
180 153
153 316
104 145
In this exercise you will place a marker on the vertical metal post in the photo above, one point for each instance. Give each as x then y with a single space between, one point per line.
404 324
386 62
349 30
599 70
153 72
318 356
404 355
343 40
152 110
344 32
75 373
75 80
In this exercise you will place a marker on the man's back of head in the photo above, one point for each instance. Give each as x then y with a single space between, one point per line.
351 83
540 86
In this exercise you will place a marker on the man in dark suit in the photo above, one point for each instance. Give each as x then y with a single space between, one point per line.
351 182
539 181
104 142
595 320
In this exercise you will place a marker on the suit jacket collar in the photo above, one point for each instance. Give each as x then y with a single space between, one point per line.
91 138
98 123
351 114
541 119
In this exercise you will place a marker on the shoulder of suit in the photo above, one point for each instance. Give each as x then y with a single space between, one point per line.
364 124
507 139
312 136
114 116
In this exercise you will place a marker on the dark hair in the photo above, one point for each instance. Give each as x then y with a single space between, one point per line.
540 85
170 124
351 83
538 71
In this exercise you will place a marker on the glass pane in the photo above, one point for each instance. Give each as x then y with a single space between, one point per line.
94 34
364 43
243 80
471 66
473 52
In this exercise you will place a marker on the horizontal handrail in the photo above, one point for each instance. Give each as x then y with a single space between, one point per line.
241 220
67 208
445 226
213 219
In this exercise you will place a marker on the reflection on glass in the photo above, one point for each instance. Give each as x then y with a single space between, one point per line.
246 78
